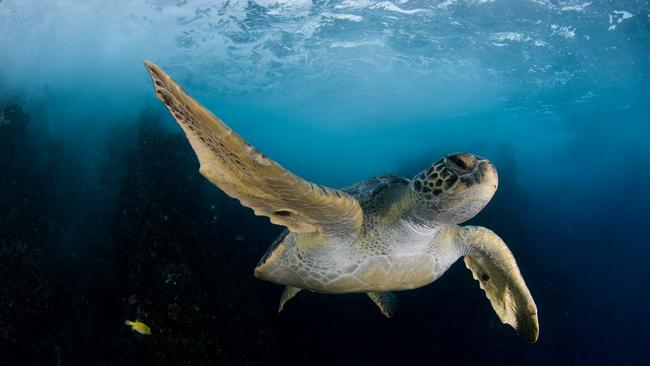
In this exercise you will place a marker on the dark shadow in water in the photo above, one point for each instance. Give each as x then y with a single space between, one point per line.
183 269
75 266
604 225
33 291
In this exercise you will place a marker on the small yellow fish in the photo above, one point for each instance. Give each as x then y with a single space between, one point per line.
139 327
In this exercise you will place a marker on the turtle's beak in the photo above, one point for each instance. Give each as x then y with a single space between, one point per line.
486 174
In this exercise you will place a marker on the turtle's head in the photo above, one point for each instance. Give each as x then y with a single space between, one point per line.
454 189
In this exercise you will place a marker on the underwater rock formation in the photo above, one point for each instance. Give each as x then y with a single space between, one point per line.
65 302
191 284
29 292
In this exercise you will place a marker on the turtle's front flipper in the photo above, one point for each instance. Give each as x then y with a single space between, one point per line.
256 181
387 302
494 266
288 294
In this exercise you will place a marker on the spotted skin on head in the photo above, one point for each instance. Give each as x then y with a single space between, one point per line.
434 180
453 189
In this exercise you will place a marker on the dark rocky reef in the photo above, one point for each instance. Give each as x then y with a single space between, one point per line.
194 288
31 283
155 254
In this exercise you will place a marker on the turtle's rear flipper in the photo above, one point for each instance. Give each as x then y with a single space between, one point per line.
387 302
288 294
494 266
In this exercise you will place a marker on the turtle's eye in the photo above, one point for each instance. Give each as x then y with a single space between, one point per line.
461 163
457 161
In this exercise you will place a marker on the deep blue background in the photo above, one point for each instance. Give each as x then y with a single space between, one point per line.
103 215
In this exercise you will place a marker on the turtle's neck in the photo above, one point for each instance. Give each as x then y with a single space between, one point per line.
416 216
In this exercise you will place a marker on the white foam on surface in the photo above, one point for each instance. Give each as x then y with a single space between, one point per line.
388 6
354 4
302 4
350 17
351 44
623 15
501 39
575 7
617 17
509 36
447 3
567 32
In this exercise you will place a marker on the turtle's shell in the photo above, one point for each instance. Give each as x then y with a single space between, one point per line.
367 189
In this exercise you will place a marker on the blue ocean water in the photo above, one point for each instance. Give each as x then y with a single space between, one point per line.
104 217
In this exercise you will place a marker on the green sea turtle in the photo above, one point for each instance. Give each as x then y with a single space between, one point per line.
383 234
